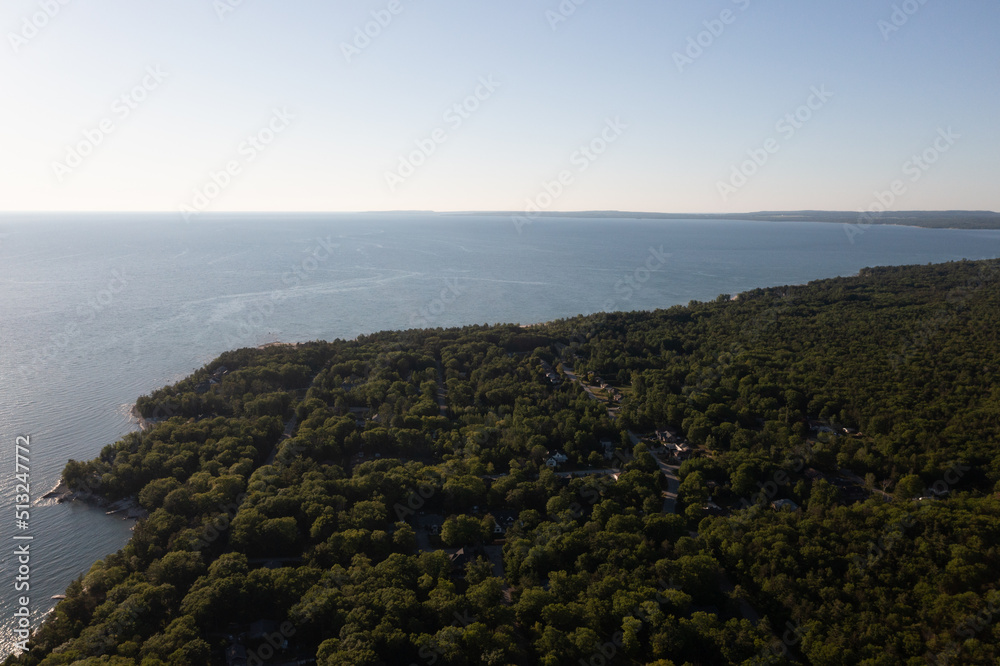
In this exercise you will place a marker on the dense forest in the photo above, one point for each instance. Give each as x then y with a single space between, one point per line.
803 474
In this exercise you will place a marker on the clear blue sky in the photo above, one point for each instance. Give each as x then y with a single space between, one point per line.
558 88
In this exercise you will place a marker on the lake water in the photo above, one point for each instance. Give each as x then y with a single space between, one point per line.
96 310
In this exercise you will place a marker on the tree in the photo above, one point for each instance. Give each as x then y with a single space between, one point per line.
462 531
910 486
152 496
693 490
744 480
179 502
822 496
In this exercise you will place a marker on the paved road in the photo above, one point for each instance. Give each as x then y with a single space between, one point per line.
673 484
857 480
289 427
581 472
669 471
608 471
495 555
748 611
612 411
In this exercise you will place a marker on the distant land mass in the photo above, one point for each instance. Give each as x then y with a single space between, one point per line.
944 219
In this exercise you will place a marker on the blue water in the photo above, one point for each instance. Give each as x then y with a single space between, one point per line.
97 310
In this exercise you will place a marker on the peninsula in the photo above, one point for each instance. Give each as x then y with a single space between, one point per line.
807 472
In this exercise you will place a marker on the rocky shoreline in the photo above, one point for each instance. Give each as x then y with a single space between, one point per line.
143 423
128 507
266 345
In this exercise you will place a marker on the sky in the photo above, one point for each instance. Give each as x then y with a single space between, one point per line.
513 105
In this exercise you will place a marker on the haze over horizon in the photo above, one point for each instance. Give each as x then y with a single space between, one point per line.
580 105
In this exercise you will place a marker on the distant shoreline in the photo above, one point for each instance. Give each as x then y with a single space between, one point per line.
944 219
958 220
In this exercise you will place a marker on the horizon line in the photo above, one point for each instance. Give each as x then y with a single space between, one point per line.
501 212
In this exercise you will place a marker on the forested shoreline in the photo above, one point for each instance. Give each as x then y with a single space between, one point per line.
507 495
853 221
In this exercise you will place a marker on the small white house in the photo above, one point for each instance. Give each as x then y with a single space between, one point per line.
556 459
